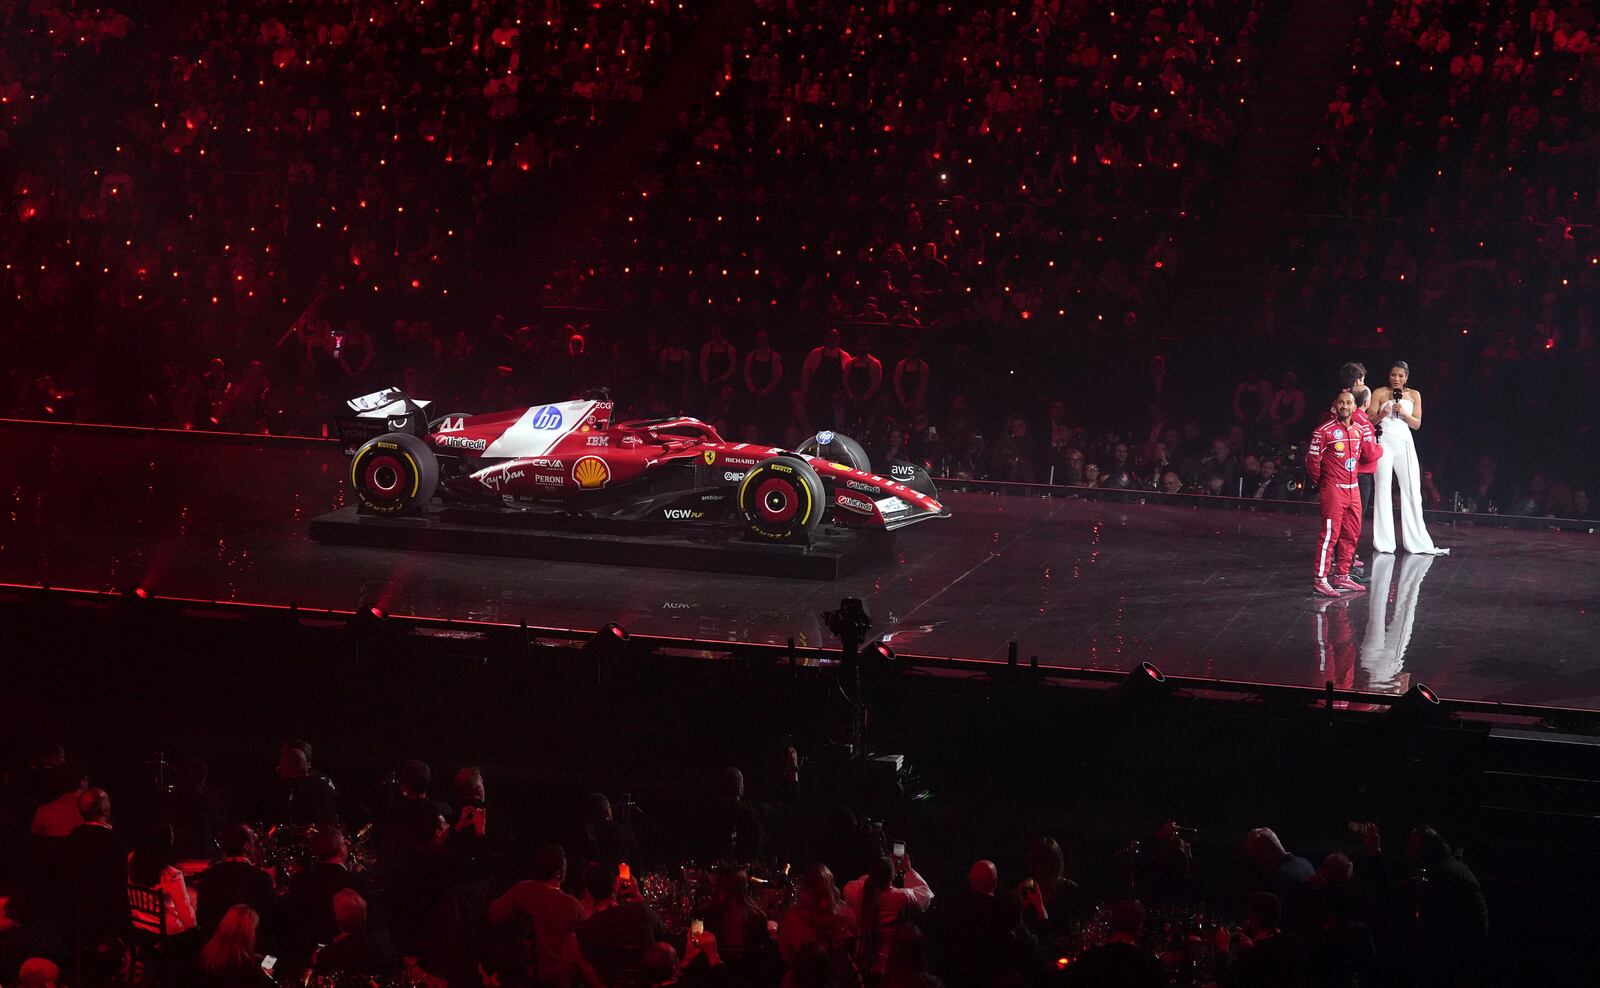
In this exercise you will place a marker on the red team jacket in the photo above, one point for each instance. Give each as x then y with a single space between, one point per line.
1337 452
1368 433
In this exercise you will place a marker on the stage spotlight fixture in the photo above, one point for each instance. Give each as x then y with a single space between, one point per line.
607 641
135 593
879 652
605 648
1419 705
377 613
1145 682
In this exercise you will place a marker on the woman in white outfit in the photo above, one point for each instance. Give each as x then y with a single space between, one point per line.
1397 410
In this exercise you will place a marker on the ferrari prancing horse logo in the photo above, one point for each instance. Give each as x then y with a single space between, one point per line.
711 457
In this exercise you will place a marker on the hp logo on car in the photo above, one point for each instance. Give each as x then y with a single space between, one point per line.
546 418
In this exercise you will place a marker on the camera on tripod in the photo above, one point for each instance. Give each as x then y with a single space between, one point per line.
850 622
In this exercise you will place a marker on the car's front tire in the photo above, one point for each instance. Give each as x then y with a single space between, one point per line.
394 474
781 499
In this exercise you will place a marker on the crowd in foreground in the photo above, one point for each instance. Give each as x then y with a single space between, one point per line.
294 880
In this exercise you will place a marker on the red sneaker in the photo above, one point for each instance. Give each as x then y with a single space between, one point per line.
1323 588
1347 585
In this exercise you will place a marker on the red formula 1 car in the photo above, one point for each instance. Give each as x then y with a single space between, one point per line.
568 458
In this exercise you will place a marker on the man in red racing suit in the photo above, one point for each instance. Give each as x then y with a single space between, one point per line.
1337 450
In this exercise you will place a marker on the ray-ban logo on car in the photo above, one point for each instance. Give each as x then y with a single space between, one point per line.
546 418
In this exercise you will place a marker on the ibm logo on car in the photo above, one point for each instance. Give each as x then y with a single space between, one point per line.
546 418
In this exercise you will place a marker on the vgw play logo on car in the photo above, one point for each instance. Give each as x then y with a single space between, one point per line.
546 418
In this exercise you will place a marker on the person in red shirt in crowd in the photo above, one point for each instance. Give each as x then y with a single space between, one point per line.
1337 448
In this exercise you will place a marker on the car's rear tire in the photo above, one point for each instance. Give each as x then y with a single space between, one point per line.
394 474
837 448
781 500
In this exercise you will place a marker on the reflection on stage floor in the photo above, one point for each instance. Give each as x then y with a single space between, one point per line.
1508 616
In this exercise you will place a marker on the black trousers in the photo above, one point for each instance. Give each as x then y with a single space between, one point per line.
1364 481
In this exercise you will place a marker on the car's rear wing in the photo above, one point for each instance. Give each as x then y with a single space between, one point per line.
389 410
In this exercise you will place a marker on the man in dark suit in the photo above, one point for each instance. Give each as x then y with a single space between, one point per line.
1266 956
305 796
97 871
1120 961
353 952
406 821
977 937
236 880
311 898
731 827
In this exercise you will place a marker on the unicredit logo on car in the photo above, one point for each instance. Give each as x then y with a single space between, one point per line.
546 418
459 442
857 485
854 504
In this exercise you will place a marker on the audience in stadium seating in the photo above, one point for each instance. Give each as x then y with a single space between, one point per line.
1360 916
285 208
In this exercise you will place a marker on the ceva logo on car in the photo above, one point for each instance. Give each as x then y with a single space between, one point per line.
546 418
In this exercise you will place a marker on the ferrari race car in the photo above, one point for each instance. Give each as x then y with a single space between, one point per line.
568 458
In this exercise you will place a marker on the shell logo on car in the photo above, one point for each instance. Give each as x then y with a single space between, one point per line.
590 473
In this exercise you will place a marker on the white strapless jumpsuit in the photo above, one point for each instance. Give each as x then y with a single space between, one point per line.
1399 462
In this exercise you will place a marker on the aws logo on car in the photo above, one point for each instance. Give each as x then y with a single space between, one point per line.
591 473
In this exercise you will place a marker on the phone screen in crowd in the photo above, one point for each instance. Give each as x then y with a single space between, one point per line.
899 848
624 872
268 963
696 927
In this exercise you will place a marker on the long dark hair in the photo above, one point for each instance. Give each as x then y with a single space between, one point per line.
151 855
1047 866
880 876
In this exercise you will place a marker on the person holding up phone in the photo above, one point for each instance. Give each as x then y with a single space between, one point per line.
879 905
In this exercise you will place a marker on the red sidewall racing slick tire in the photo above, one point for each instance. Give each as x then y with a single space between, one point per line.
781 500
394 474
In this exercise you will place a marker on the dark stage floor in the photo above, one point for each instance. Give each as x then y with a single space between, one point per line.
1510 616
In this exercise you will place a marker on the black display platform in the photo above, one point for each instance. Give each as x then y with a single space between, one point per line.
835 552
